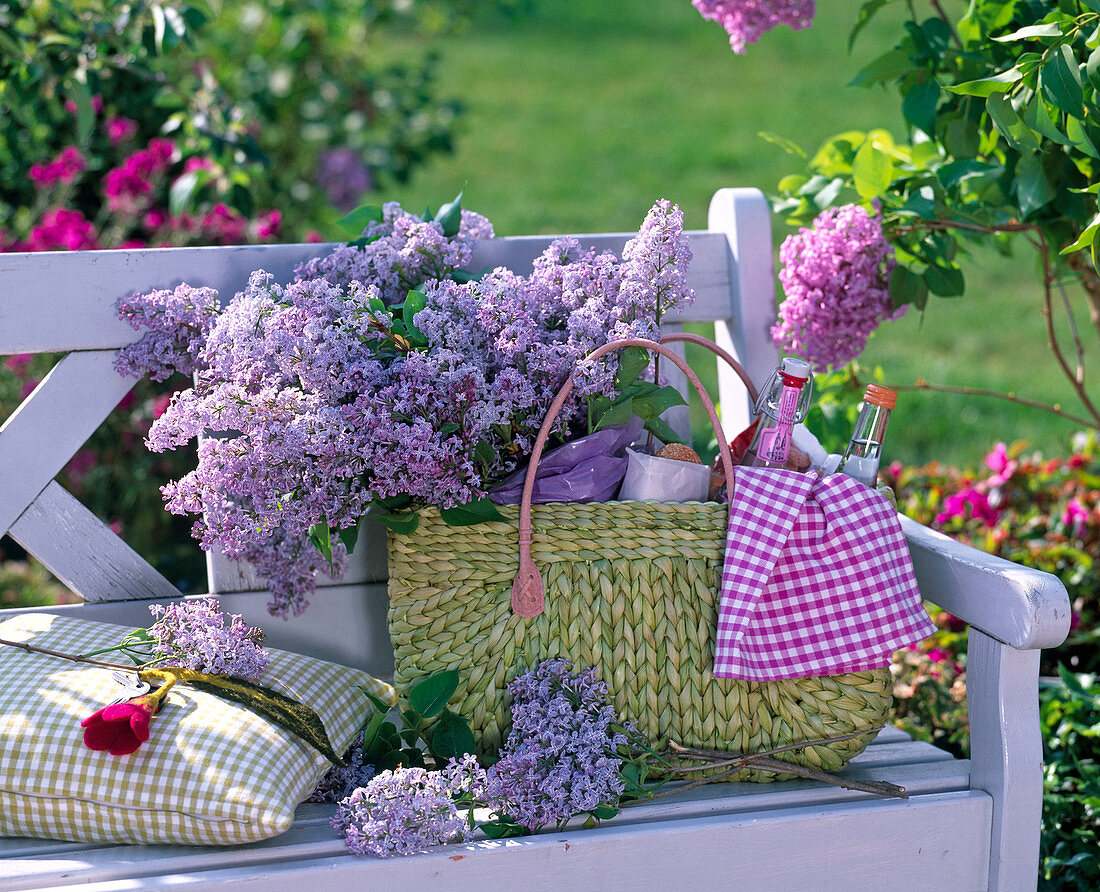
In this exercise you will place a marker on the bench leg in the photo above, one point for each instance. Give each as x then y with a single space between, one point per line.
1007 754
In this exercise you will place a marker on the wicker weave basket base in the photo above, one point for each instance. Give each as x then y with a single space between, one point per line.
630 591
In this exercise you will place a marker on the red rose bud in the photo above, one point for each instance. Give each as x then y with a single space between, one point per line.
122 727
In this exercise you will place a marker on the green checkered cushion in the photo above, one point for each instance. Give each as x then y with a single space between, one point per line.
211 773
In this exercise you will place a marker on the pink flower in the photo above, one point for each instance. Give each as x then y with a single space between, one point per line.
18 363
1002 466
79 466
120 129
62 229
122 727
160 404
957 505
65 168
97 105
1076 516
268 224
224 225
28 388
197 163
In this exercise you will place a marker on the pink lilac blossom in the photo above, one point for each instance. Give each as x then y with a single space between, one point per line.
746 21
194 635
400 812
177 324
560 756
64 169
835 280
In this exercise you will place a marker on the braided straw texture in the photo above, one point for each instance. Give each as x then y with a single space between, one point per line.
630 591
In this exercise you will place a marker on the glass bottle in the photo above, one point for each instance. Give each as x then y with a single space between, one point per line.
781 405
861 459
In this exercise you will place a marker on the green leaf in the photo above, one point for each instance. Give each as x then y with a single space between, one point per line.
1092 68
907 287
275 707
1008 124
945 281
451 736
349 536
503 829
620 412
632 362
604 812
662 431
656 404
430 695
321 536
1033 189
1036 117
404 522
183 190
791 148
450 216
987 86
1051 29
1085 239
919 105
381 705
355 222
415 301
85 112
886 68
866 13
1060 83
478 511
872 170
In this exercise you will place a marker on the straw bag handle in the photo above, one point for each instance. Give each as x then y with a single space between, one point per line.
528 588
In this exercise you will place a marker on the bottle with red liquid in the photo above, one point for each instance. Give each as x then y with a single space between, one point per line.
782 404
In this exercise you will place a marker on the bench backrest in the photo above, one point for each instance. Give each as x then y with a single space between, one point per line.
65 303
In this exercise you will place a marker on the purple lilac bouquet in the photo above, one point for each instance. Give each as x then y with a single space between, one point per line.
835 279
194 635
746 21
345 390
400 812
560 757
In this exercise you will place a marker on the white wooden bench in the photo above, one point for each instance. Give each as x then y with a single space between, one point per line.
965 825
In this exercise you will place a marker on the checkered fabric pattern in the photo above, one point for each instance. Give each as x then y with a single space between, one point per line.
817 579
211 773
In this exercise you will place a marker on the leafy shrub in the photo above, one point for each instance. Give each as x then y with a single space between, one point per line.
1070 715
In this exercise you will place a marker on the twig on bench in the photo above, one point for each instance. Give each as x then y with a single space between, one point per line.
763 761
76 658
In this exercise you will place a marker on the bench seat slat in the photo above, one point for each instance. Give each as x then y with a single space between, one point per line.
781 848
42 863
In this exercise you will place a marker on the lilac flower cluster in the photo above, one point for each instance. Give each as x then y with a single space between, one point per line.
560 757
746 21
405 252
193 635
340 781
321 404
400 812
835 279
177 324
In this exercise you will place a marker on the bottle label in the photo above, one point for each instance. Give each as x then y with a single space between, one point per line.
775 442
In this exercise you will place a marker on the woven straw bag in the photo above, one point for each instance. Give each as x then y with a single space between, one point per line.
630 589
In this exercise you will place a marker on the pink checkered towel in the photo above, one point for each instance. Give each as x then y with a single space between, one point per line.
817 579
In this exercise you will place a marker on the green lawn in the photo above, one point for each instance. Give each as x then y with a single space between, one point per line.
581 113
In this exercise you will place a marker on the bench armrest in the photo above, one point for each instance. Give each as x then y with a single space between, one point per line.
1023 608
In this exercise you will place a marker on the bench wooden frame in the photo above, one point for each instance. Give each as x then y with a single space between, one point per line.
966 825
